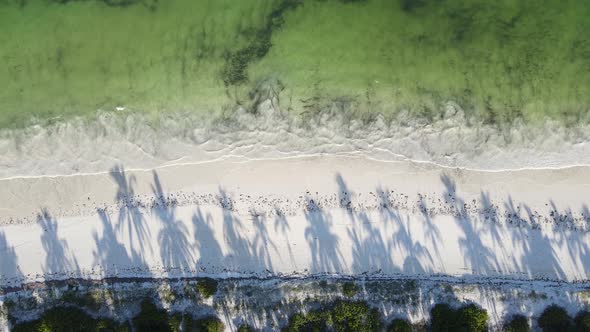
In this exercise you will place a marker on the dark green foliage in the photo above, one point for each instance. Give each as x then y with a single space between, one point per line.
355 316
316 320
349 289
207 287
68 319
472 318
555 319
399 325
207 324
245 328
468 318
518 323
583 321
443 318
344 316
152 319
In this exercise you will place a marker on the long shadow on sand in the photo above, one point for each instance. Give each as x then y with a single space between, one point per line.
110 253
58 258
130 219
173 237
9 269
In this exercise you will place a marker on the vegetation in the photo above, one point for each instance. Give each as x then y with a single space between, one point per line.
207 287
518 323
245 328
355 316
555 319
343 316
472 318
207 324
467 318
399 325
153 319
583 321
315 320
340 316
69 319
349 289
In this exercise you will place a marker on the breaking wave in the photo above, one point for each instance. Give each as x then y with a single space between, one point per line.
94 145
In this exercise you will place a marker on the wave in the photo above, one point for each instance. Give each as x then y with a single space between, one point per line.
83 145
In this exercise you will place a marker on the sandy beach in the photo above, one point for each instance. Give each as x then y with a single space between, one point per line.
297 217
294 165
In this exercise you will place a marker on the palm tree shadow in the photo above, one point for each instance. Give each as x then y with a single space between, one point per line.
10 271
58 259
262 242
326 255
480 259
416 256
206 244
173 237
110 253
281 225
239 250
431 231
130 218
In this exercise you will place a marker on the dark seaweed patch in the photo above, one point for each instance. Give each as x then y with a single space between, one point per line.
236 65
151 4
411 5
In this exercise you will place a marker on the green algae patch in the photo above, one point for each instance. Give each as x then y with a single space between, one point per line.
500 60
63 59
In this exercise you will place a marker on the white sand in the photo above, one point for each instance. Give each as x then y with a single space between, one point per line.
298 216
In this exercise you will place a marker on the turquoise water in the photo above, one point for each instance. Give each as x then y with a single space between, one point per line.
499 60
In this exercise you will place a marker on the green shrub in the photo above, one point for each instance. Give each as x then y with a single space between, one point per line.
107 325
207 287
207 324
174 322
469 318
153 319
399 325
316 320
518 323
68 319
355 316
349 289
245 328
443 318
583 321
344 316
555 318
473 319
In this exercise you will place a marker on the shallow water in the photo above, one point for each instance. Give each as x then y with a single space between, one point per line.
498 60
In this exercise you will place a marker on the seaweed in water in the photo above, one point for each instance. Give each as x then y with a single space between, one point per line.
235 70
151 4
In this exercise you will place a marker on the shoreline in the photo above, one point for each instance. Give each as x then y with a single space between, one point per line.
83 147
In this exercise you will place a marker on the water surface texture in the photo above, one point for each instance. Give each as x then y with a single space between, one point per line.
499 60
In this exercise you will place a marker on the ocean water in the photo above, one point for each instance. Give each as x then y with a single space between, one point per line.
498 60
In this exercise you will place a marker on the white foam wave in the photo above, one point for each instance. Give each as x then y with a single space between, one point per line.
93 146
